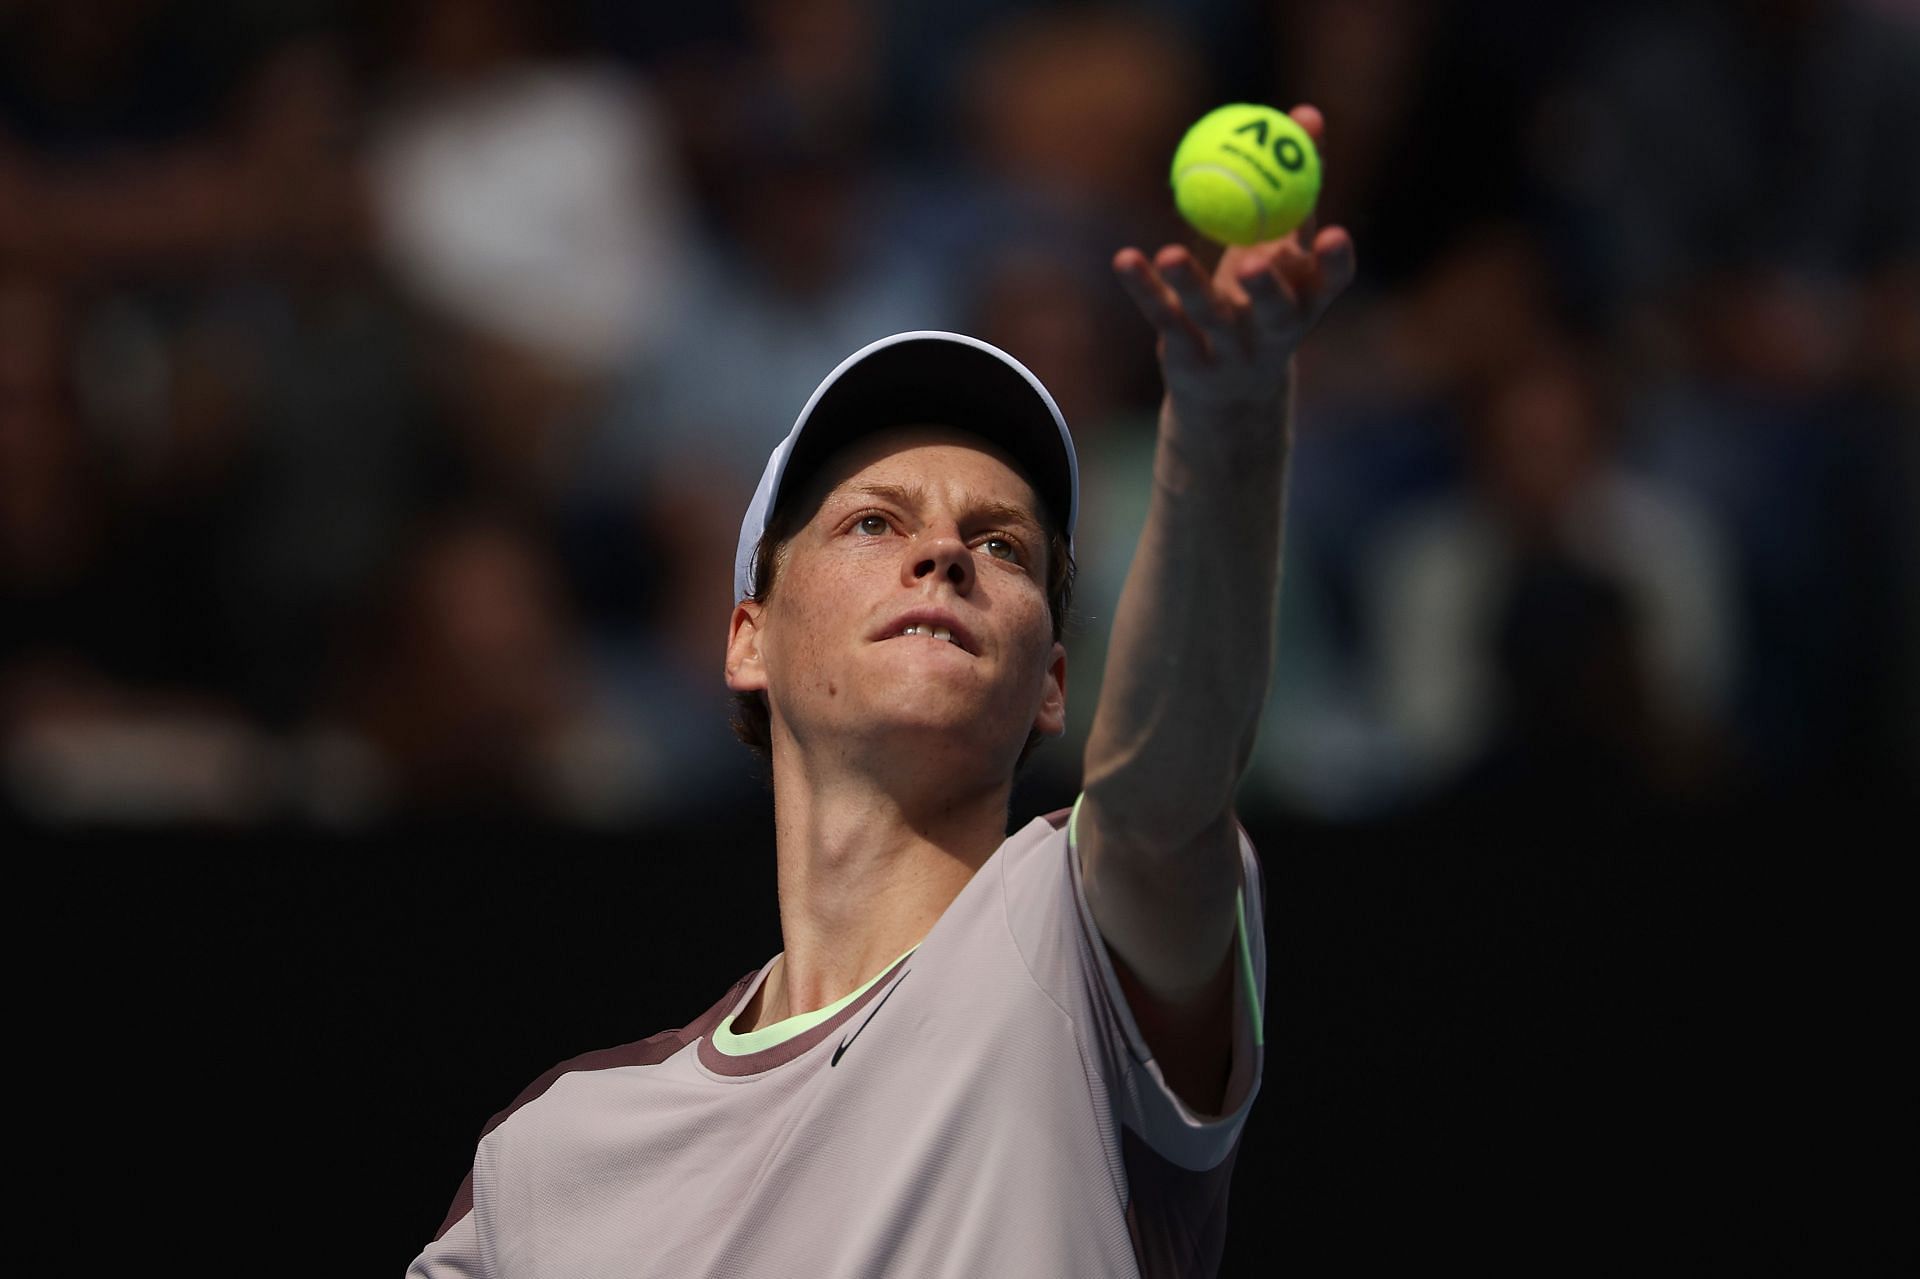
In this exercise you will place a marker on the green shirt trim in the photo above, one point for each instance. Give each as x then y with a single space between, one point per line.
765 1037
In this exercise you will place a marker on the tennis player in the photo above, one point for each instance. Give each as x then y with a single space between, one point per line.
978 1053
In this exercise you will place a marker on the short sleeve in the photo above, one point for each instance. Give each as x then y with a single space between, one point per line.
1146 1104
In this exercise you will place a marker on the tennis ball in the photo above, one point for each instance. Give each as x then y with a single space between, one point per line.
1245 173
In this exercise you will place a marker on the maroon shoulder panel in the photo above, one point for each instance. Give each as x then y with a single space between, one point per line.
643 1052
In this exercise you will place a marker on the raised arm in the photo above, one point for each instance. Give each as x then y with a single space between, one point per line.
1192 646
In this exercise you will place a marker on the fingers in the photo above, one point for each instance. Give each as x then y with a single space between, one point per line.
1273 310
1307 231
1178 299
1270 294
1290 288
1298 267
1338 262
1158 302
1308 117
1214 315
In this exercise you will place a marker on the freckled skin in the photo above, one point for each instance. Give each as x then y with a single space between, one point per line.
912 704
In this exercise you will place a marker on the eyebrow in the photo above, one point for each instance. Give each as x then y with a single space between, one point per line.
913 496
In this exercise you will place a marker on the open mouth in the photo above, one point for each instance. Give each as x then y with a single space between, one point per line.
938 629
934 632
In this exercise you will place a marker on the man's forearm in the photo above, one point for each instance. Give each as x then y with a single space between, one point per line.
1191 652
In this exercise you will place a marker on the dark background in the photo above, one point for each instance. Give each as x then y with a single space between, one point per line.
1488 1041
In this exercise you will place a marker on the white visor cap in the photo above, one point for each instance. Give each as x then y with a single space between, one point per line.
925 376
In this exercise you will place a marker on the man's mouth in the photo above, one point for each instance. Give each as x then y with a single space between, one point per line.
928 624
934 632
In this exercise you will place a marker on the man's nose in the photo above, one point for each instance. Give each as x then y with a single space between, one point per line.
944 555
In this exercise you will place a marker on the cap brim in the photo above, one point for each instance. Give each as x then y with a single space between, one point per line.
925 377
946 380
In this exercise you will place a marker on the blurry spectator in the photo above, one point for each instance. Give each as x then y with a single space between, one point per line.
1380 407
342 448
1737 183
530 201
259 408
1432 112
1582 725
1692 138
768 69
101 716
1806 461
1061 121
522 192
930 48
471 688
1074 113
1561 608
155 139
299 371
534 201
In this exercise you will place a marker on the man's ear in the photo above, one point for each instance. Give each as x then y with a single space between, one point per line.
1052 719
745 671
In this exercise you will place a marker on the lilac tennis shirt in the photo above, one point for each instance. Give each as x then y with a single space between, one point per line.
984 1107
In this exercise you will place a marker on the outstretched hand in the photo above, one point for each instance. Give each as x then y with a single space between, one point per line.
1226 343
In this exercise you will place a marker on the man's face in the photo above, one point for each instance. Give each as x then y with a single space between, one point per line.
913 535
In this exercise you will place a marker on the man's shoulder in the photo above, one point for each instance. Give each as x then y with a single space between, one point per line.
650 1051
1037 828
1056 820
1025 849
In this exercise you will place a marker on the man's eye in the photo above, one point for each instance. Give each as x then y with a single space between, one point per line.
871 525
1002 549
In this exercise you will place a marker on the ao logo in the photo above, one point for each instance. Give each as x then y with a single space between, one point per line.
1286 151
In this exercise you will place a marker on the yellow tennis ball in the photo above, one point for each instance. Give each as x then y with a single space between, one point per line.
1245 173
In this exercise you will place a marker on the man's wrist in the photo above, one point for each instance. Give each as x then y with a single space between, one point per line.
1245 453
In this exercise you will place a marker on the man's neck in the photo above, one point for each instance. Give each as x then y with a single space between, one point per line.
866 868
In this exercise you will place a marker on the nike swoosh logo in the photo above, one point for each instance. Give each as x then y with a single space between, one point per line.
870 1016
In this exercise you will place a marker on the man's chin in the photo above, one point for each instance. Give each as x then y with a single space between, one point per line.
931 737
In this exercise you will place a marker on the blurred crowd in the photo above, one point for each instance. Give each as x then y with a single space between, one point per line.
382 382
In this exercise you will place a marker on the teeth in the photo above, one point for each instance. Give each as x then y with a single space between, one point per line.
932 632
